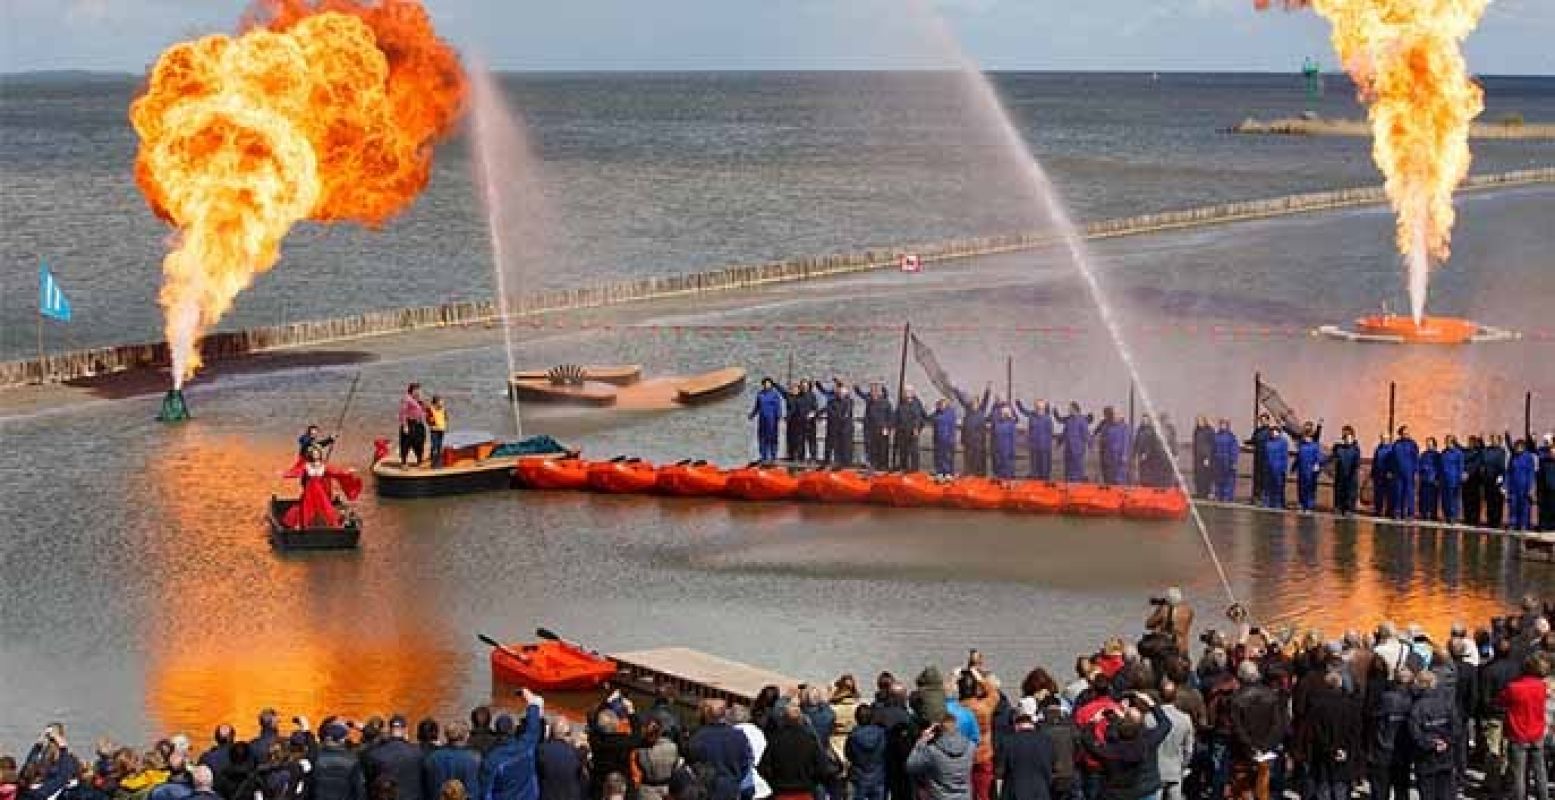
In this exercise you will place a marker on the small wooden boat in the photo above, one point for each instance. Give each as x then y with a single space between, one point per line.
550 667
1039 497
496 471
344 537
908 490
588 393
710 386
1142 502
555 474
614 374
833 486
622 477
1092 500
761 483
974 493
692 479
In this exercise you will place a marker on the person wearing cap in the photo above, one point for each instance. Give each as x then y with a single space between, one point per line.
454 760
1025 759
337 772
396 758
508 772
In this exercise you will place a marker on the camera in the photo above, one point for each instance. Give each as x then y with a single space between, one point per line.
1158 601
1209 636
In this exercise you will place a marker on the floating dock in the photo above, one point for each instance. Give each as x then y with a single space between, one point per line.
695 674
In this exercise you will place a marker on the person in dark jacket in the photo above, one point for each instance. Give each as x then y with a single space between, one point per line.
1129 750
1493 469
1257 722
455 760
561 770
220 754
1330 744
1387 738
718 753
877 422
237 772
1473 480
905 429
798 402
1227 449
337 773
1346 458
1544 486
1203 458
399 759
812 407
1077 441
974 430
1039 438
792 762
269 733
1153 464
1520 476
839 423
482 737
610 749
894 717
1257 440
1433 735
865 754
508 771
1024 758
945 427
768 412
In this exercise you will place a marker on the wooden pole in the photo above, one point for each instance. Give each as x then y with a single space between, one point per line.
1392 406
901 386
1257 393
790 377
1131 405
1528 419
1009 379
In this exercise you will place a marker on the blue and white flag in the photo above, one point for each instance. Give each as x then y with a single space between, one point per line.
51 298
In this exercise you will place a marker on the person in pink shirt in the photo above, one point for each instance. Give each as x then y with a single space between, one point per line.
413 424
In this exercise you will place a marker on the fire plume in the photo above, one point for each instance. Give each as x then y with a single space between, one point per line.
321 110
1406 59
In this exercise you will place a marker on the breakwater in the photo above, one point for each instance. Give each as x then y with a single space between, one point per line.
229 345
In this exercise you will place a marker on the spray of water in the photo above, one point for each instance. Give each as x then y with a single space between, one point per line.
1045 196
509 192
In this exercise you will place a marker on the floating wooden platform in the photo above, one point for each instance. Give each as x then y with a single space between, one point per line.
696 674
617 374
541 390
710 386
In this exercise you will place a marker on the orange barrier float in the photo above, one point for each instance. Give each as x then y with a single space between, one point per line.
974 493
622 477
1091 500
559 474
1039 497
691 480
761 483
828 486
1142 502
909 490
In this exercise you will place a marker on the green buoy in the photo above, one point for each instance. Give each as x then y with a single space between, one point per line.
174 409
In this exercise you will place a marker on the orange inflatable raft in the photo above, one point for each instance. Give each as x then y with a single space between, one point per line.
691 480
908 490
761 483
1146 503
550 667
622 477
974 493
1035 497
561 474
828 486
1091 500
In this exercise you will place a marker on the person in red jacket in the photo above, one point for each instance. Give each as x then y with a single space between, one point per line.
1524 701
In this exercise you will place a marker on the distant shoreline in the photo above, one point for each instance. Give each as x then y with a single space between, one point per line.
117 74
1318 126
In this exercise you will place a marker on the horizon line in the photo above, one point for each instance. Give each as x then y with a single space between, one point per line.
121 73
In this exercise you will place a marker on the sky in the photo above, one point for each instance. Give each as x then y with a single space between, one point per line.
1146 35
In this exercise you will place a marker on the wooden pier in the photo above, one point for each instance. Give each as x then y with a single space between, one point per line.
695 674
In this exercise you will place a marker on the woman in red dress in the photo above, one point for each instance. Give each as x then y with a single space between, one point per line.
316 508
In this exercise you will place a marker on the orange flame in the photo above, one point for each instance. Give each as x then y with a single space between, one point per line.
322 109
1406 59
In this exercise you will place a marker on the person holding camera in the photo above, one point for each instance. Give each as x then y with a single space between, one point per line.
941 761
1129 751
1170 616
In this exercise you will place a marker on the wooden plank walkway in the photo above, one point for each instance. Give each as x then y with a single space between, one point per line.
698 674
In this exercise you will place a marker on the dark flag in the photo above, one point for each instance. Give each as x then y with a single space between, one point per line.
930 365
1269 398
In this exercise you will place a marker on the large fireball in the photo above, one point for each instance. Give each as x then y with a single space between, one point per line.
322 110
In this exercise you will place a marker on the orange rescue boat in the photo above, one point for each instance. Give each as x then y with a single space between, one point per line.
1143 502
695 479
1092 500
761 483
909 490
550 667
622 477
974 493
1039 497
562 474
828 486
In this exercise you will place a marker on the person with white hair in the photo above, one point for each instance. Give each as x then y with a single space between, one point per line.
1388 648
561 768
202 782
1258 723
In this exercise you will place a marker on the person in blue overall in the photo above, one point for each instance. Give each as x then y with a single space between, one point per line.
1276 460
1309 462
1406 463
1430 474
974 431
1228 448
1346 458
1453 472
768 412
1005 427
1077 440
944 418
1039 438
1382 477
1519 486
1112 439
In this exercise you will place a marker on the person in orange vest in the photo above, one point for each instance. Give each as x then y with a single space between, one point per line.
437 423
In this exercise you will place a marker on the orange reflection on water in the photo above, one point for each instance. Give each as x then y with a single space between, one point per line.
241 627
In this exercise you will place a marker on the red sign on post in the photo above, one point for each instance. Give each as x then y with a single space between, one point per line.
911 263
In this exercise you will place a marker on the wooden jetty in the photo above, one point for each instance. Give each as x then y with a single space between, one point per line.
695 674
1536 547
